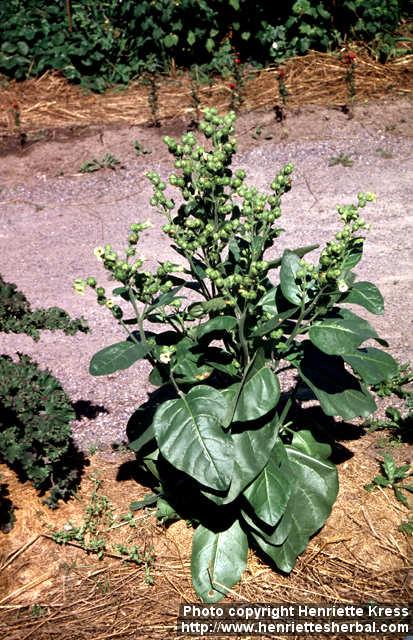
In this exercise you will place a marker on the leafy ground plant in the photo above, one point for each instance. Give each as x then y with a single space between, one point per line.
215 438
393 477
342 159
92 535
107 162
35 412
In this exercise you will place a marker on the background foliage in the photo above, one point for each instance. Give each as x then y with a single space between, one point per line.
112 41
35 412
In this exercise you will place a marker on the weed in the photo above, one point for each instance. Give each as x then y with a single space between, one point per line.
194 89
282 87
393 476
150 80
107 162
15 110
91 535
349 58
140 149
406 527
93 449
400 425
133 554
342 159
395 385
37 611
384 153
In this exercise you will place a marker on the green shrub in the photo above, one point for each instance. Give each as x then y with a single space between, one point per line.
16 315
35 432
112 42
35 412
218 438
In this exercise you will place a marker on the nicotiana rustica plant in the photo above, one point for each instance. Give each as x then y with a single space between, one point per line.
217 436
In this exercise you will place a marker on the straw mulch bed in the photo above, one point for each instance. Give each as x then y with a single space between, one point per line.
48 591
316 78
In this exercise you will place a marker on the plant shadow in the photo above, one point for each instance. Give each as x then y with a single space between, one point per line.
326 429
86 409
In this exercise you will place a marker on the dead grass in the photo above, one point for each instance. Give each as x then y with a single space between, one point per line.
316 78
49 591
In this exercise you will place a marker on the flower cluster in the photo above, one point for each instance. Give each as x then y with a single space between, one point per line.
142 286
346 242
219 207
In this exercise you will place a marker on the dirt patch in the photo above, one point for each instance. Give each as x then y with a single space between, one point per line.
359 556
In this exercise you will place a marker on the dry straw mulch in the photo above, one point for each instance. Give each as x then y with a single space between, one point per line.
358 557
316 78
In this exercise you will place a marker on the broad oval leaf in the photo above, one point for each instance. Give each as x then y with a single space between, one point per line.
257 396
339 392
120 355
352 258
372 365
271 490
367 295
341 333
252 449
191 438
310 503
290 264
220 323
218 560
304 441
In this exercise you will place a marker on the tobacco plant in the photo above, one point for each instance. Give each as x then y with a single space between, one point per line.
216 437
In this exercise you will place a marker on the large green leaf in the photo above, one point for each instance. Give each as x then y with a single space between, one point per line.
290 264
300 251
220 323
353 258
257 396
271 490
341 333
309 505
252 448
339 392
267 302
372 365
218 560
367 295
191 438
304 441
120 355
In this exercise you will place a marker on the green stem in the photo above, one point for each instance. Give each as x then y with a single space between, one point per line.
241 333
284 413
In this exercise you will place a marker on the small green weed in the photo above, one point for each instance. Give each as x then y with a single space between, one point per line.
393 476
407 526
92 534
400 425
37 611
384 153
107 162
342 159
93 449
140 150
395 385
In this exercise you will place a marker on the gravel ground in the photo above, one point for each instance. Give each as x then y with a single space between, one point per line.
52 217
